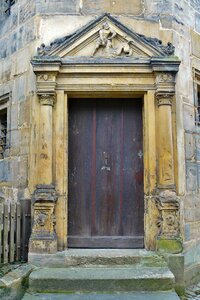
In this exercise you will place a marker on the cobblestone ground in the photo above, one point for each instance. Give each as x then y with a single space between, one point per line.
192 293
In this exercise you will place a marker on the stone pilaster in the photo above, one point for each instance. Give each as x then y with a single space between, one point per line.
167 201
165 141
43 238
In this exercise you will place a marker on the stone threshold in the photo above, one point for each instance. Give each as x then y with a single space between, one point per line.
78 257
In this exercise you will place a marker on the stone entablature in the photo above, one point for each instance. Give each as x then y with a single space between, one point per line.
141 68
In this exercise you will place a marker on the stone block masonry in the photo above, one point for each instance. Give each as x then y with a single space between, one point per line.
33 22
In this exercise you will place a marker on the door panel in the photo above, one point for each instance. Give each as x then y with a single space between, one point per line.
106 206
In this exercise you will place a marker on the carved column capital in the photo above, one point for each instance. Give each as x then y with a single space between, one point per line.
164 98
47 99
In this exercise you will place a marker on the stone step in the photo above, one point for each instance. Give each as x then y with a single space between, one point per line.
114 296
101 279
79 257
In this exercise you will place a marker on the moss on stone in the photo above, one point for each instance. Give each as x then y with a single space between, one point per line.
173 246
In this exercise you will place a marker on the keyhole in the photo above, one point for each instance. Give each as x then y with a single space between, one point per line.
140 154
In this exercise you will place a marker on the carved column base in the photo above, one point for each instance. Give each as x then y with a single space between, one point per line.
169 239
43 238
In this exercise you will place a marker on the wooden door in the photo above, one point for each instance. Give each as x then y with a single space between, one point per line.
106 198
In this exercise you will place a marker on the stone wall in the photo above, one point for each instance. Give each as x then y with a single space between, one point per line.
187 41
34 22
17 35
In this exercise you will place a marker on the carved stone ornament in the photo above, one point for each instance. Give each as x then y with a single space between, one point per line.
168 206
41 218
43 77
113 42
47 99
106 40
43 237
164 98
167 50
165 77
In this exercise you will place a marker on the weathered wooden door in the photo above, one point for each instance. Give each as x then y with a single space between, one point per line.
106 200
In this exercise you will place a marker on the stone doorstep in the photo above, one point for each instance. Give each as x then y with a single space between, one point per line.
79 257
101 279
94 296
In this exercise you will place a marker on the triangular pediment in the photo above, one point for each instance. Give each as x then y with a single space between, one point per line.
106 37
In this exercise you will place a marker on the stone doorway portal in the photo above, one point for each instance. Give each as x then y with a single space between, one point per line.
127 65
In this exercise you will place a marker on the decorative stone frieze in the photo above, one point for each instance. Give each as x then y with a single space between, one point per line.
165 84
43 238
168 222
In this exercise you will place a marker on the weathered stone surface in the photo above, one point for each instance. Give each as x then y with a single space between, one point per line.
27 9
195 43
197 142
189 118
187 232
198 170
83 257
27 34
197 22
4 170
55 6
99 279
16 276
13 42
4 49
134 7
189 146
172 20
191 176
195 4
95 296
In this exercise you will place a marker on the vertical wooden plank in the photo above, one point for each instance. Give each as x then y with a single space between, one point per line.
5 234
25 227
18 232
1 230
12 231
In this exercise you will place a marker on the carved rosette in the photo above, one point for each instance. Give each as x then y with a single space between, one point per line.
43 238
47 99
